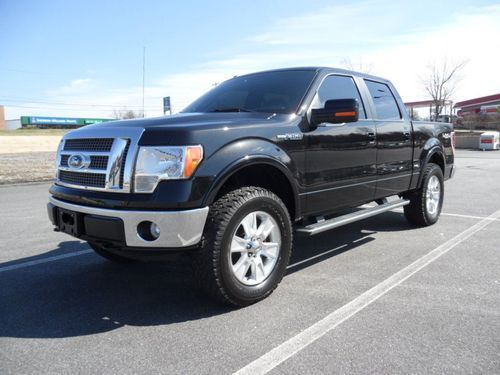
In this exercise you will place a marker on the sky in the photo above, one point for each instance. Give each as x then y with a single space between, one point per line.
85 58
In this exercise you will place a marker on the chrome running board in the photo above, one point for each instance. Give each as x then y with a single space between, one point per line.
324 225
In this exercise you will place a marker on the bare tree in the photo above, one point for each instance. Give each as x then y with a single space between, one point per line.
415 116
124 114
358 66
441 81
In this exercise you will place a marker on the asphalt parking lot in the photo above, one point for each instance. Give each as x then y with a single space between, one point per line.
377 296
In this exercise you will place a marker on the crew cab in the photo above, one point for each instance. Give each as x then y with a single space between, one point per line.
256 160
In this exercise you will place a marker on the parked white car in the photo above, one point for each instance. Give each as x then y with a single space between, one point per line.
489 140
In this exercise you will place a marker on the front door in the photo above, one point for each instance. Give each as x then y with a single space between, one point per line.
340 158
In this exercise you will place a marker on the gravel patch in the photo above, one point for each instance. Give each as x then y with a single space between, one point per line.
29 143
27 167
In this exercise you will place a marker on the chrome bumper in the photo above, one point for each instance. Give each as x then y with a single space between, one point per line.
453 170
177 228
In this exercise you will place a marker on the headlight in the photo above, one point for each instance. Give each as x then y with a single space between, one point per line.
156 163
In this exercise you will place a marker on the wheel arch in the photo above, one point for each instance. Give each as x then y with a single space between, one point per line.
272 175
433 153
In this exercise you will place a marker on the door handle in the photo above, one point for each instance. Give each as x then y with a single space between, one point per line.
371 137
407 135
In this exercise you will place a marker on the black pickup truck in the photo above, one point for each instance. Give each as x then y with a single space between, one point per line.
230 179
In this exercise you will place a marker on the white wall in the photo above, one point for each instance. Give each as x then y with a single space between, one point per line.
13 124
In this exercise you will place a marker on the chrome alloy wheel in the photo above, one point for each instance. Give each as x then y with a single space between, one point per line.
255 248
433 196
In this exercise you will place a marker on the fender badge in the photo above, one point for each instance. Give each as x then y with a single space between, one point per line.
290 136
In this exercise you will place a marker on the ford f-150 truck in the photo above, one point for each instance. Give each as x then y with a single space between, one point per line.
236 174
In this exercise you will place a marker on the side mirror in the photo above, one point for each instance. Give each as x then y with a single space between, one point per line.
335 112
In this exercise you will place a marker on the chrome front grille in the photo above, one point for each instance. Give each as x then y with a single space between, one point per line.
97 180
89 144
122 170
101 159
96 161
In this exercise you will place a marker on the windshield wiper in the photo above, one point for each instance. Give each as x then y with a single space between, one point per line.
231 109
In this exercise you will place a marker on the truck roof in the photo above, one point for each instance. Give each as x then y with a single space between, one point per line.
322 69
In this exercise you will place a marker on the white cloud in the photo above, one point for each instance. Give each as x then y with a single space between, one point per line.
76 86
328 36
372 32
472 36
343 26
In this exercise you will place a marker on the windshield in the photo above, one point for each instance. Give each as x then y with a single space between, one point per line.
275 92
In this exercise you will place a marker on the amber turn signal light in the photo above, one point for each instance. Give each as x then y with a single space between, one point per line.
194 156
345 114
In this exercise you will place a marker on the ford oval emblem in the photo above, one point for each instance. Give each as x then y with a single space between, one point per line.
78 161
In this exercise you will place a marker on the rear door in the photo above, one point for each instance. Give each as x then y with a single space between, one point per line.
340 158
394 141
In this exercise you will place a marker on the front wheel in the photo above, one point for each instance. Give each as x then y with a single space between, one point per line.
246 246
426 203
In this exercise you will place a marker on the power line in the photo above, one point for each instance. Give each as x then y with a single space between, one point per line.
104 106
29 72
28 101
67 109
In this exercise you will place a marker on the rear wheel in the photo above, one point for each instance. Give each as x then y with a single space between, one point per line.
426 203
246 247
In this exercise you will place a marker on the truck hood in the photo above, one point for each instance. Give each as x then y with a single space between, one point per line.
212 130
199 120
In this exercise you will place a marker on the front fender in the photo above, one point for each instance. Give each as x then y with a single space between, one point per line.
242 153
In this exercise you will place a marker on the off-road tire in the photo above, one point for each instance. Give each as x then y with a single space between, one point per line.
211 265
416 212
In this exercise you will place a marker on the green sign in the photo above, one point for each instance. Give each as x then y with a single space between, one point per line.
61 121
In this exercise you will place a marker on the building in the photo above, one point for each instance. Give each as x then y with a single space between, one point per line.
479 113
428 104
485 104
2 117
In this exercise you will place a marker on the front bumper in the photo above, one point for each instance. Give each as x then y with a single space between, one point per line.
453 170
178 229
449 171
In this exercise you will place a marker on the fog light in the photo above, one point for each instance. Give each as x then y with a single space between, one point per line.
148 231
155 230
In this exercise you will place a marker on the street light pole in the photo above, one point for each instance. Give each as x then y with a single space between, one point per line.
143 76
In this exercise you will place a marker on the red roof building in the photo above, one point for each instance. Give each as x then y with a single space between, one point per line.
489 103
484 100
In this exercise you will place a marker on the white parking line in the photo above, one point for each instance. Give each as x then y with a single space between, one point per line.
469 216
282 352
43 260
456 215
83 252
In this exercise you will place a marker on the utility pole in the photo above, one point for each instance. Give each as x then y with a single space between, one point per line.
143 76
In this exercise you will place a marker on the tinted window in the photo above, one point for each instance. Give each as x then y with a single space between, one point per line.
279 92
385 103
338 87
